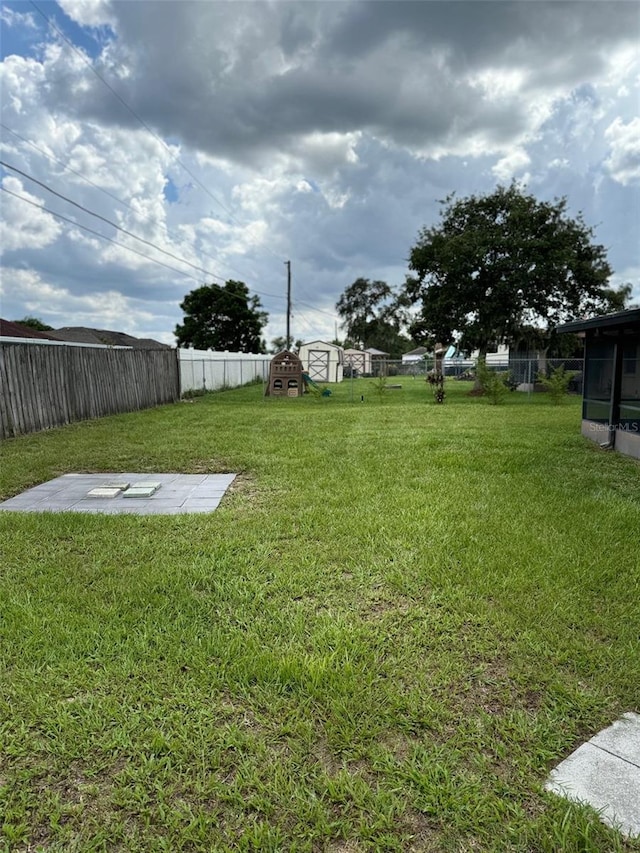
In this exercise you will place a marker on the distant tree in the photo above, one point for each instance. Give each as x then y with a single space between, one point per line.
360 304
279 344
386 336
619 298
374 316
222 318
503 264
34 323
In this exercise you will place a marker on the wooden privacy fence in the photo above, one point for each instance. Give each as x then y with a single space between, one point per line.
44 386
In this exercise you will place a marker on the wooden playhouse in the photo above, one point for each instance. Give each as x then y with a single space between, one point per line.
285 376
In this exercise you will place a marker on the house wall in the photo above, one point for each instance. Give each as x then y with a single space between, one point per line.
626 441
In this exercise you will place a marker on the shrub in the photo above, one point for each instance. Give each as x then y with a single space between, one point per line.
493 384
557 383
380 386
435 378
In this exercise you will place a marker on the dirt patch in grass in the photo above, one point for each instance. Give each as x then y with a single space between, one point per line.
421 835
398 744
244 483
378 607
494 691
325 758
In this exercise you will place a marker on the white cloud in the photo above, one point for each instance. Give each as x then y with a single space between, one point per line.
623 162
89 13
324 153
12 18
512 166
21 83
107 309
23 225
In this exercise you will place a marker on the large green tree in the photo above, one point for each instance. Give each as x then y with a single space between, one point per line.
498 264
361 303
373 316
221 317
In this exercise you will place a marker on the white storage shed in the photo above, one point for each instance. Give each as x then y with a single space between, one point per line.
322 361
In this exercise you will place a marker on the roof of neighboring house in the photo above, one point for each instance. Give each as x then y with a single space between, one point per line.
621 319
417 351
9 329
84 335
374 351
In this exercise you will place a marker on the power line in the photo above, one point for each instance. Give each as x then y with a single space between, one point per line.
313 308
146 126
96 233
123 230
108 239
106 192
66 167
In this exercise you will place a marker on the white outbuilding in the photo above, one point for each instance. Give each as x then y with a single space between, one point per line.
322 361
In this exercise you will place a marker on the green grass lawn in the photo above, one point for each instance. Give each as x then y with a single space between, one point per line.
399 619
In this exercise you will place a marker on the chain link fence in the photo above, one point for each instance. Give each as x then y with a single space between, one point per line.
201 372
522 374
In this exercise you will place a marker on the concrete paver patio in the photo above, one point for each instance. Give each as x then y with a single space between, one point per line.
178 493
605 773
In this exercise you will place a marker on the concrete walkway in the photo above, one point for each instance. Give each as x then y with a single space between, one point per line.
605 773
176 494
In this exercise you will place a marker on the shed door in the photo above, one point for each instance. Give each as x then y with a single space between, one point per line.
319 365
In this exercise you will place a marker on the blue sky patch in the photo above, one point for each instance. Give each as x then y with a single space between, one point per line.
24 29
170 191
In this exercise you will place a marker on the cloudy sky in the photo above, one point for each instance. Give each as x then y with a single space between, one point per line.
235 136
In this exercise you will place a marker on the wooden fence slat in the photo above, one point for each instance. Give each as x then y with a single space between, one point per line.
42 386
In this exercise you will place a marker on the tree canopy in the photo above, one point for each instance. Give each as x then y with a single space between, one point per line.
360 304
35 323
280 343
222 318
499 264
373 317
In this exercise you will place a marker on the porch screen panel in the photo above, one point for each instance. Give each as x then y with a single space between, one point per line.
598 383
630 388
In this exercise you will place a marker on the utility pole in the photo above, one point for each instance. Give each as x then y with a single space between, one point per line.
288 266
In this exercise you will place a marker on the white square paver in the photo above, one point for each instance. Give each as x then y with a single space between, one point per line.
139 492
605 774
104 492
147 484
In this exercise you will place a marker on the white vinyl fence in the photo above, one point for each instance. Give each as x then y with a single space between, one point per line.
203 370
